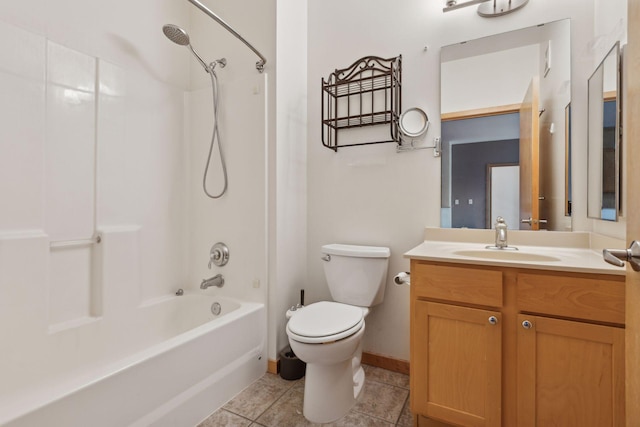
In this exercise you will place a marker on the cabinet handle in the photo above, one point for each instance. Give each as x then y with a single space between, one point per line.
493 320
527 325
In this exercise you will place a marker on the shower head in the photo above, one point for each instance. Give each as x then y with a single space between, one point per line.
180 36
176 34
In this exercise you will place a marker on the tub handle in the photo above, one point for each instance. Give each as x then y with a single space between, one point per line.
219 255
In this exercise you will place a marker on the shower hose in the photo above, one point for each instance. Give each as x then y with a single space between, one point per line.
215 136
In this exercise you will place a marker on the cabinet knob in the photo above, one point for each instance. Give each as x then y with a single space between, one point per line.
527 325
493 320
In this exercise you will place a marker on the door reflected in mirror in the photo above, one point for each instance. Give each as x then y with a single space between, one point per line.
603 186
503 101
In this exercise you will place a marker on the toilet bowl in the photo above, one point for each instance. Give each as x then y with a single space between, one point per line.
328 337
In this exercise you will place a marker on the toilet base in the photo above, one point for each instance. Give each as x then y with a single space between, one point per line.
323 407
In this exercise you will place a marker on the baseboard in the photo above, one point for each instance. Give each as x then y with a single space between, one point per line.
385 362
273 366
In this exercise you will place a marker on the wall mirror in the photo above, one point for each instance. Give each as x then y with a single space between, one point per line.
504 129
603 186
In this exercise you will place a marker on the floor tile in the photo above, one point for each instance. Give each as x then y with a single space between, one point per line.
380 375
225 418
357 419
406 417
381 401
256 398
287 411
274 402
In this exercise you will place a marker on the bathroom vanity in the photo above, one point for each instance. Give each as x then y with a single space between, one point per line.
528 337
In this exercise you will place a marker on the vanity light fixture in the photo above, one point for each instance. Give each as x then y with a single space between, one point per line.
453 4
488 8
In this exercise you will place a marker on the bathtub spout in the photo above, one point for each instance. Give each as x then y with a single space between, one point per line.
217 280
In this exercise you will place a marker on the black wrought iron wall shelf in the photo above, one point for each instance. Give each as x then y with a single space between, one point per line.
367 93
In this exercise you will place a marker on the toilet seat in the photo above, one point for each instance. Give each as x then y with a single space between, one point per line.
325 322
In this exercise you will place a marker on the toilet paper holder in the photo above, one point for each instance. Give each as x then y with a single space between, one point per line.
402 278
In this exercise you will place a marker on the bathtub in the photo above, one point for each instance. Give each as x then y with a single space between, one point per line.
192 362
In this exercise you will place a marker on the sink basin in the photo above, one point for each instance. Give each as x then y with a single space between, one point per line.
506 255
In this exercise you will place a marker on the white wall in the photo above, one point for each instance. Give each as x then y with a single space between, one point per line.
92 141
371 195
499 78
288 250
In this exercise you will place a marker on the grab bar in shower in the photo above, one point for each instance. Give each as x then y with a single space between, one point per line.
260 64
71 243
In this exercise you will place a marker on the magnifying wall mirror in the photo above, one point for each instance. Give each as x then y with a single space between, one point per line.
603 186
413 123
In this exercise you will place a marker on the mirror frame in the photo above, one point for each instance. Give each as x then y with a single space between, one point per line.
595 138
413 133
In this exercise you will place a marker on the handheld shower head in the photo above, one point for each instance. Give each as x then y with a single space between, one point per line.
176 34
179 36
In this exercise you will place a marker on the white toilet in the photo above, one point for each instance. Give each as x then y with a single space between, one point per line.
328 335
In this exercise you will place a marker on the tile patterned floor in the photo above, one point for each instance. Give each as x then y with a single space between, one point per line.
274 402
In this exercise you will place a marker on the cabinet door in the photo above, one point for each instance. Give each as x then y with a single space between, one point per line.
456 362
569 373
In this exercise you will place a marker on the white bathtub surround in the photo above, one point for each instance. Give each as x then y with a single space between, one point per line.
182 362
237 218
97 142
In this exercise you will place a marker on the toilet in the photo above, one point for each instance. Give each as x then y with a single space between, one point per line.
327 335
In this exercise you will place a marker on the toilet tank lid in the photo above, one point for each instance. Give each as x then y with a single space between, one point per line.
356 251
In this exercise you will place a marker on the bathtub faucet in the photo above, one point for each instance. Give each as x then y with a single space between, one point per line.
217 280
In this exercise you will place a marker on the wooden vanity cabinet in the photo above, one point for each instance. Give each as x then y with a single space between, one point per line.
570 369
462 359
496 346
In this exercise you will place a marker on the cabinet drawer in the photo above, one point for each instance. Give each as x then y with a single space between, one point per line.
596 299
457 284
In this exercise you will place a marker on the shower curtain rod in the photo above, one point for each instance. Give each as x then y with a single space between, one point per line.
206 10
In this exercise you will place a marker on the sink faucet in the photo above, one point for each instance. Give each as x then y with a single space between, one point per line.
501 233
217 280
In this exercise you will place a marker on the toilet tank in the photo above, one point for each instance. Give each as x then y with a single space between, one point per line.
356 275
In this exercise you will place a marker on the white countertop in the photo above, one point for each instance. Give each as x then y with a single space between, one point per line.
536 250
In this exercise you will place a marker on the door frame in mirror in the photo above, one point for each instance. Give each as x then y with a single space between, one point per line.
598 96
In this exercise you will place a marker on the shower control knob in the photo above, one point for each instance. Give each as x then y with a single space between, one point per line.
219 255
